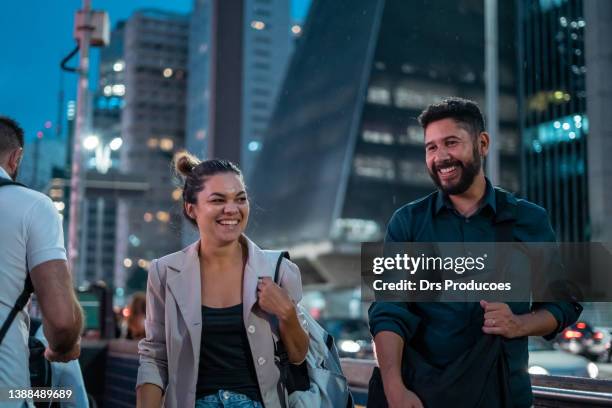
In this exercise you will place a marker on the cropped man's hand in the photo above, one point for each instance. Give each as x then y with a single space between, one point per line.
499 319
70 355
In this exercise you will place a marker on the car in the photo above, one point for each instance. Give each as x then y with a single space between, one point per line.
352 336
545 359
580 338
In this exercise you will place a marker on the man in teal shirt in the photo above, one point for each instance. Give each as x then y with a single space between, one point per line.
464 209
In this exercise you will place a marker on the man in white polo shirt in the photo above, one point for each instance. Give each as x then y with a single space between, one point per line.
31 239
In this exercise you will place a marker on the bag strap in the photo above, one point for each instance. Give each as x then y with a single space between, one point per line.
28 288
22 300
283 254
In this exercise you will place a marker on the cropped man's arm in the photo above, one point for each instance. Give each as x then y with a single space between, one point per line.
389 350
62 314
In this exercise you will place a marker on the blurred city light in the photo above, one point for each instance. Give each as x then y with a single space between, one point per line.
167 72
116 143
118 66
91 142
258 25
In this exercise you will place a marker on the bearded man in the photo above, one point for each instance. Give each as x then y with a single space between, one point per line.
480 348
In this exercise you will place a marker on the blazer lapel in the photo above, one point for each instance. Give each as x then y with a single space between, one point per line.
249 281
185 285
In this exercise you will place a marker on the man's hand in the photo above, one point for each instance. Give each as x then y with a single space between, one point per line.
499 319
398 396
273 299
72 354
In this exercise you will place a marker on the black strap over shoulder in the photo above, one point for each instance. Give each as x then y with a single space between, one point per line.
28 289
283 254
7 182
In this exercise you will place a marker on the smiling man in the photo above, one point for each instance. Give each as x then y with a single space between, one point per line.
457 339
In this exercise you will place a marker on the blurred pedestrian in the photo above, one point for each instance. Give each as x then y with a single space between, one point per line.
63 375
210 316
136 316
32 259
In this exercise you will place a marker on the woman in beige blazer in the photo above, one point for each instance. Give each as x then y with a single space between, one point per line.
213 312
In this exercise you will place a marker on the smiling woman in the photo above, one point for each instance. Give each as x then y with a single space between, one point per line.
209 325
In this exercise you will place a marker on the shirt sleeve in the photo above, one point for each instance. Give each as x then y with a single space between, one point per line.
395 317
44 232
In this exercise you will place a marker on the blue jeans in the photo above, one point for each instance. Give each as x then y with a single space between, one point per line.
227 399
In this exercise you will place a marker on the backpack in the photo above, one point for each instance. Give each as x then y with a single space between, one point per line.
39 366
319 380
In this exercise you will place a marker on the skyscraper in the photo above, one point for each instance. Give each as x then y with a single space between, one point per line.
266 38
343 149
554 121
233 87
152 128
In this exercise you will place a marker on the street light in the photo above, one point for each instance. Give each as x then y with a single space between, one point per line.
91 142
116 144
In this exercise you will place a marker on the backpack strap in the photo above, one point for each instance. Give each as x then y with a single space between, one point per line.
7 182
28 288
22 300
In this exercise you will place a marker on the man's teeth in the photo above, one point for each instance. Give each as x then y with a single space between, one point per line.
229 222
447 169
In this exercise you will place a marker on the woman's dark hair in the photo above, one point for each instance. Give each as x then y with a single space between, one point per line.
195 173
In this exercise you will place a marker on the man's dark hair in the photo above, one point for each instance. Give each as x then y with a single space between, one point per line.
463 111
11 134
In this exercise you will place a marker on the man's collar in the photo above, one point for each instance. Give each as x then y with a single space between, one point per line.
4 173
443 201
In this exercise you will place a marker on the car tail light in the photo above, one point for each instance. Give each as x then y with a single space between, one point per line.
572 334
581 325
598 336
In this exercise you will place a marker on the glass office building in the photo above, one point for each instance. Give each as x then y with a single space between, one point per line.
553 112
344 148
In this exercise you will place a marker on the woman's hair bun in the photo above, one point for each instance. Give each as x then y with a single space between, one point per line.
184 163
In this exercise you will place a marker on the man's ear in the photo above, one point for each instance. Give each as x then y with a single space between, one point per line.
14 158
484 141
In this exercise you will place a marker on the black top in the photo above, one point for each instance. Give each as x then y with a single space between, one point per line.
225 356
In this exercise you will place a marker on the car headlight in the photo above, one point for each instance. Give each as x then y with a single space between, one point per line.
349 346
593 370
538 370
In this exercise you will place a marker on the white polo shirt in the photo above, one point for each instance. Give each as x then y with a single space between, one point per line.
30 228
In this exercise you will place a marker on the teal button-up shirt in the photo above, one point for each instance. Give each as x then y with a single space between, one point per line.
441 332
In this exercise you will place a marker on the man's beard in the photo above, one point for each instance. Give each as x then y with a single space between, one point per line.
469 171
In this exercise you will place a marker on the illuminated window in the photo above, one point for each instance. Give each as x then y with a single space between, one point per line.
413 136
379 95
374 136
377 167
118 89
413 172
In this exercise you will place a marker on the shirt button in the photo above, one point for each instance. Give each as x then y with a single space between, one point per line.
261 361
251 329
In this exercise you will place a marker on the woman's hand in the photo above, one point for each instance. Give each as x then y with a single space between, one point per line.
274 300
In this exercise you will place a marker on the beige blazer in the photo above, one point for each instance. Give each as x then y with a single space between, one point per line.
170 352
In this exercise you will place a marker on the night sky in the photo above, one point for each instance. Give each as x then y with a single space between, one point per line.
37 34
